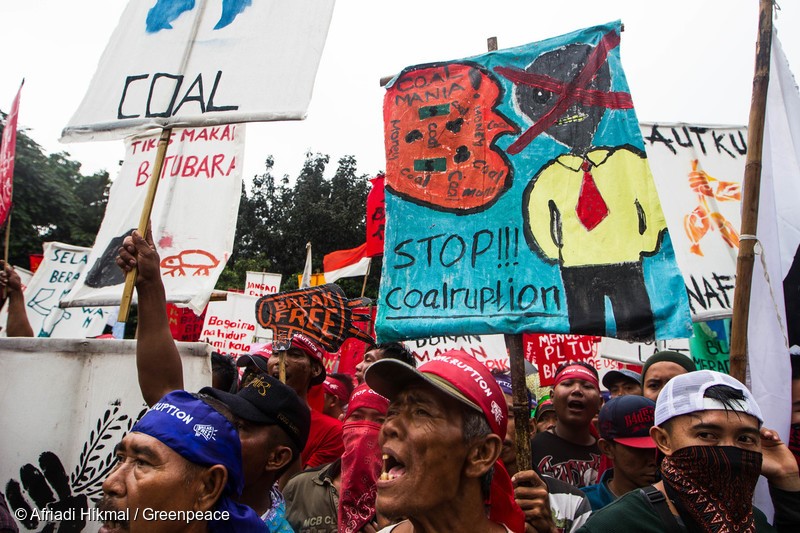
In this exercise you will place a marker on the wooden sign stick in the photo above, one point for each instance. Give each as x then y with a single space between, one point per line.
144 220
5 252
750 195
519 391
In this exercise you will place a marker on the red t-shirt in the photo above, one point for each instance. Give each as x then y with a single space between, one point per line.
324 443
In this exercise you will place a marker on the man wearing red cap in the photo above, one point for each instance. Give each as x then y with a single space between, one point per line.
304 368
338 388
441 442
569 452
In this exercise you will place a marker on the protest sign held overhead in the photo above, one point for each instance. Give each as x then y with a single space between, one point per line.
698 171
525 174
490 350
61 269
201 63
324 314
193 219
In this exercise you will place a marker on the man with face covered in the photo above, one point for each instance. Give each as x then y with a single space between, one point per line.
341 496
708 427
593 210
441 442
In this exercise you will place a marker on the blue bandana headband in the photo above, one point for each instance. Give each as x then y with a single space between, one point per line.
201 435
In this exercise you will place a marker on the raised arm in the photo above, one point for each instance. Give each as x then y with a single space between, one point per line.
158 362
17 325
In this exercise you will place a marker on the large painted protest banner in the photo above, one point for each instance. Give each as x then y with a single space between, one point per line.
204 62
193 218
525 176
57 453
62 268
698 172
230 325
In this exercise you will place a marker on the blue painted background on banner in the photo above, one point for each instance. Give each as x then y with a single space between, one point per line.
490 231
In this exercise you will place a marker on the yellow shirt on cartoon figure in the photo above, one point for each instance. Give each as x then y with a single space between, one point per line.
631 227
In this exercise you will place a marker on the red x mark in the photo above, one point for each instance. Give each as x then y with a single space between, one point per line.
568 93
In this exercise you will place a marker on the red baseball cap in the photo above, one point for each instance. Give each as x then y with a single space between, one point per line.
455 373
363 396
334 387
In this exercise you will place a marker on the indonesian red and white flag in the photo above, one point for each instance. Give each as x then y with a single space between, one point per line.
7 154
346 263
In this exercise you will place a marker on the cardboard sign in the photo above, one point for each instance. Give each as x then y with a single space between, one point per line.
324 314
488 349
549 351
61 269
262 283
178 63
533 204
184 324
230 325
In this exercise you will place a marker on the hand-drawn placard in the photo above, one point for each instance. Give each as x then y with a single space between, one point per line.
698 171
200 63
193 219
532 202
261 283
488 349
324 314
230 325
62 267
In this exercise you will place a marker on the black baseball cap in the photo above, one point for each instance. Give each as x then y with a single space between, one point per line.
265 400
627 420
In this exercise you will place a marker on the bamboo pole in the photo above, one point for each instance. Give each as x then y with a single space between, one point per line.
519 391
364 285
144 220
750 195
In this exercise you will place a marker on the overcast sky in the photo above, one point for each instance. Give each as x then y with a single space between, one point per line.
685 60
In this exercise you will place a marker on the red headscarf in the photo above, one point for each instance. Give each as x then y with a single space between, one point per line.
361 461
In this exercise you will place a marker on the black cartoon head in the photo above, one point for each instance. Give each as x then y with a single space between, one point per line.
576 126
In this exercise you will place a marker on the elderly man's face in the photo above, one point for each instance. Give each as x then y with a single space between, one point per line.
148 474
423 439
709 428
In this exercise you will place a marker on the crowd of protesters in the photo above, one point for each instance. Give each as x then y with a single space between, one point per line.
433 448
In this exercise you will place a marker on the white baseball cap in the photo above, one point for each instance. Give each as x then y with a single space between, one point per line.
684 394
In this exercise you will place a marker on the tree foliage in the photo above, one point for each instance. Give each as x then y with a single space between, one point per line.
277 219
53 201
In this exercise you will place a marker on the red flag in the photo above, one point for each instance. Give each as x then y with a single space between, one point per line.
376 217
7 152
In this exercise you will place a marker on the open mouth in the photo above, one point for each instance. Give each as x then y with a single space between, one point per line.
113 526
392 467
575 404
